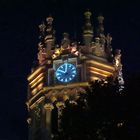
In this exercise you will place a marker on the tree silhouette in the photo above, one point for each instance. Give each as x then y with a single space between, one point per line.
100 114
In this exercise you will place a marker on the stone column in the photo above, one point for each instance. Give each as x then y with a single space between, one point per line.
60 106
30 129
48 110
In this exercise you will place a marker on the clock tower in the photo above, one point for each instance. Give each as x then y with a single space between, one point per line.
64 71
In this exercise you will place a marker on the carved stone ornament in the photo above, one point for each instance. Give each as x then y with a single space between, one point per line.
117 58
48 106
37 111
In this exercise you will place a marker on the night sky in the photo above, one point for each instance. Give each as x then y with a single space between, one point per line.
19 22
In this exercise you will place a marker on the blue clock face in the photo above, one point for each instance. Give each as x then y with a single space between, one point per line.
65 72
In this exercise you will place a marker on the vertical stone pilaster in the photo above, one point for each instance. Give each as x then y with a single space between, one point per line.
48 111
60 106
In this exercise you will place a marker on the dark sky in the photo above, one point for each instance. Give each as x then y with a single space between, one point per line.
19 22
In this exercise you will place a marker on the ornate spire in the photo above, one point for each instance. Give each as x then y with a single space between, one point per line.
100 29
42 28
50 37
49 31
88 29
41 56
65 41
118 66
46 40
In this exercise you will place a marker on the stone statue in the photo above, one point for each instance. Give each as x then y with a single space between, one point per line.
42 28
41 55
117 58
109 40
102 39
65 41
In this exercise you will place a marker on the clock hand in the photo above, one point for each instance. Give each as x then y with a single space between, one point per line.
61 71
66 67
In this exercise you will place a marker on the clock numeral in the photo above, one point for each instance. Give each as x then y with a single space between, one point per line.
74 71
70 78
73 75
57 74
66 80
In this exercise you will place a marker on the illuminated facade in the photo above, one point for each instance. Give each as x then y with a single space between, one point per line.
65 70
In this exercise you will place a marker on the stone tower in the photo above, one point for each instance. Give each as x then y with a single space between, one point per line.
64 71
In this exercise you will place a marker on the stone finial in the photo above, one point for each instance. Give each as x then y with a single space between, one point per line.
65 41
100 29
88 25
49 20
87 29
100 19
108 40
50 35
66 35
87 14
117 57
42 27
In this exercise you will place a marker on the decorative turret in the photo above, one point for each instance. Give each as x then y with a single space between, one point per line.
47 40
88 29
49 31
100 29
65 41
50 38
42 28
41 45
118 67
